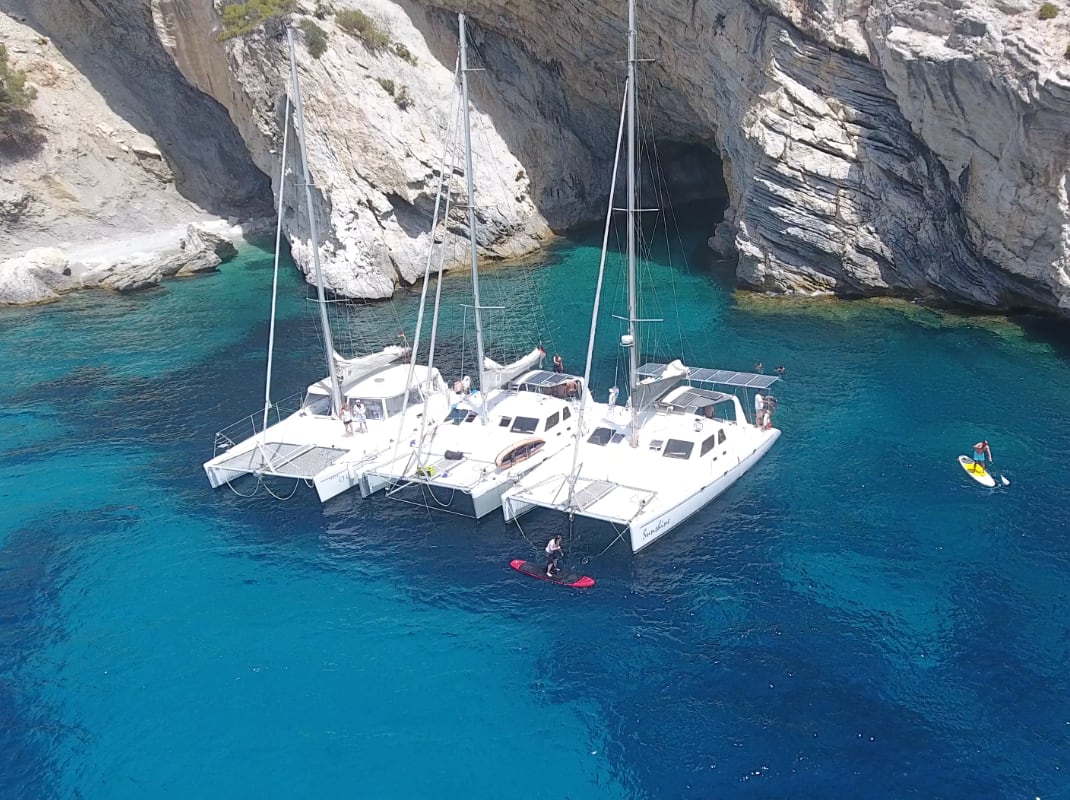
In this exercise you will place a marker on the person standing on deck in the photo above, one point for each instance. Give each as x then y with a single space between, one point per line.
347 418
759 408
559 363
362 417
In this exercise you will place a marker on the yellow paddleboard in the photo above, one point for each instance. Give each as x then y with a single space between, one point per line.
977 472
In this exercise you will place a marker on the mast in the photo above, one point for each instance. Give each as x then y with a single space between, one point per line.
275 276
633 350
328 344
472 217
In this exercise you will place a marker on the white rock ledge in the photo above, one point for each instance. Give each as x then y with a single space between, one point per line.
43 274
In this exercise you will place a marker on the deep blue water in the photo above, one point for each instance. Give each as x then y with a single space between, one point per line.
855 618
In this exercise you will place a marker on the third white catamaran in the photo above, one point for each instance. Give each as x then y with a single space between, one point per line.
677 444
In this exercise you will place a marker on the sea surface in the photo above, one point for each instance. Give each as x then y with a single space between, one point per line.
854 618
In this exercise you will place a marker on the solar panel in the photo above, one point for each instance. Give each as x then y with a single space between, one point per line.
722 377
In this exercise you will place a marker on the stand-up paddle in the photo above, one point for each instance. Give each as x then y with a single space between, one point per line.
977 472
538 570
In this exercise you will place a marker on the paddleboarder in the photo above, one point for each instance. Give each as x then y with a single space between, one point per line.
553 552
981 453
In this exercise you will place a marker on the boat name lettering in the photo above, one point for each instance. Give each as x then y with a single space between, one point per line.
652 530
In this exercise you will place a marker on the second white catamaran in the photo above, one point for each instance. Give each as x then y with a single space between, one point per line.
518 416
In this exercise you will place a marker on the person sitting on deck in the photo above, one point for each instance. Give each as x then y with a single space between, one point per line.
553 552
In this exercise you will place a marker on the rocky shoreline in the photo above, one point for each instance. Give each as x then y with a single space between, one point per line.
44 274
894 148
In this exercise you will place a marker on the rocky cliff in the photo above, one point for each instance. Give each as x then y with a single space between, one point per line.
892 146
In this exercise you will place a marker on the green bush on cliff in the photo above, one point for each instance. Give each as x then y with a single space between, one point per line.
357 23
18 128
1048 11
404 53
241 18
15 95
315 38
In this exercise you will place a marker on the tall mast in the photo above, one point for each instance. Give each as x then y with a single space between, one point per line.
633 350
472 216
275 276
328 343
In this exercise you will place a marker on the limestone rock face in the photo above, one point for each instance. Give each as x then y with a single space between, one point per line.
880 147
39 276
377 120
894 146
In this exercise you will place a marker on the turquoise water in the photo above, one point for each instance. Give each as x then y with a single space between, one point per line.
854 618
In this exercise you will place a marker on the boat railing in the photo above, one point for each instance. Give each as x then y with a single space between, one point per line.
253 424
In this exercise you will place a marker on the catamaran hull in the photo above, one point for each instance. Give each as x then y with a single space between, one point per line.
646 529
338 479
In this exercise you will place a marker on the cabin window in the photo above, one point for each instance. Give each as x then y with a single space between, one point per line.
459 415
394 404
318 405
617 438
565 413
721 436
708 444
656 444
601 436
504 422
415 398
524 425
373 409
678 448
552 420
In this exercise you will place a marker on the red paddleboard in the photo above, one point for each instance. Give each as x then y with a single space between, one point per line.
538 570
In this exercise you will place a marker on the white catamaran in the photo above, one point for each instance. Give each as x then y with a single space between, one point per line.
345 422
677 444
518 417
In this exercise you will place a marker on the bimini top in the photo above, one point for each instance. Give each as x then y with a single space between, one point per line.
720 377
542 379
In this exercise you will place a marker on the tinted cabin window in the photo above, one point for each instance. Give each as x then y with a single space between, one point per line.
565 413
708 444
373 409
720 436
601 436
504 422
459 415
394 404
524 425
318 405
678 448
552 420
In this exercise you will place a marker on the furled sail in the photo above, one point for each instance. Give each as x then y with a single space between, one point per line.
351 369
651 389
496 375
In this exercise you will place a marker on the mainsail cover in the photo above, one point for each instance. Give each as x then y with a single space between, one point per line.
496 375
651 389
